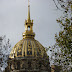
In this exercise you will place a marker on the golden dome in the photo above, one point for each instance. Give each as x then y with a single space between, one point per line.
26 48
28 55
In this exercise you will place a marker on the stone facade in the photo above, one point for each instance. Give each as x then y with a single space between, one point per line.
28 65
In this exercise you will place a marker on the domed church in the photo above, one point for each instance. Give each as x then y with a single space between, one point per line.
28 55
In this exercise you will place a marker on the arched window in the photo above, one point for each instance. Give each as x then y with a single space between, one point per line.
28 27
24 54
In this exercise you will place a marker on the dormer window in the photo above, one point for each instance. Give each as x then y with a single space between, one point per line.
28 27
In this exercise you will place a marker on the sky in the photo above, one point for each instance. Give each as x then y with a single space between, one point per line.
44 13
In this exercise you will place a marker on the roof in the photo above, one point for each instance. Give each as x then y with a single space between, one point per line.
27 48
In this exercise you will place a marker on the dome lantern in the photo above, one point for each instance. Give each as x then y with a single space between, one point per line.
28 26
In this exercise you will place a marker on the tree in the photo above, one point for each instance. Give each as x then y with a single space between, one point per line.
4 52
61 51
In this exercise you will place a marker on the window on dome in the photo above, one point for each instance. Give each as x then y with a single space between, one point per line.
28 27
24 53
29 52
19 53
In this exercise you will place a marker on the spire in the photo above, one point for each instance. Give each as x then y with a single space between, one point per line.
28 11
28 26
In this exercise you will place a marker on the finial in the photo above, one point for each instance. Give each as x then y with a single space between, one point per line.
28 3
28 11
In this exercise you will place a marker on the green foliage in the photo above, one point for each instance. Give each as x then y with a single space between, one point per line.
62 55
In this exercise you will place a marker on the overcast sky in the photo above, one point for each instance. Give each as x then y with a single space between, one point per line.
14 12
